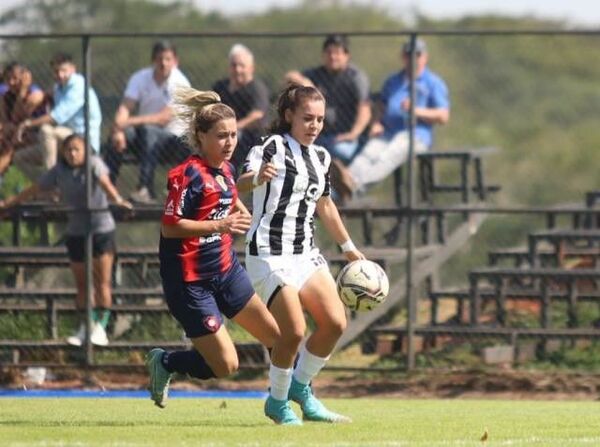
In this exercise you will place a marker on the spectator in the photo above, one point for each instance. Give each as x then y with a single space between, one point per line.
387 148
69 177
248 97
346 91
66 116
152 134
21 101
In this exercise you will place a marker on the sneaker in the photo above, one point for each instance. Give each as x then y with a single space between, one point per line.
77 338
312 408
143 196
159 377
99 337
280 412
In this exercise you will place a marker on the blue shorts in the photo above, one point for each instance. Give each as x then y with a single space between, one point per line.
198 305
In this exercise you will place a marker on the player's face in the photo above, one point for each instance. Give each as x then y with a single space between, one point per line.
241 69
218 144
421 59
13 79
335 58
63 72
74 153
306 121
164 63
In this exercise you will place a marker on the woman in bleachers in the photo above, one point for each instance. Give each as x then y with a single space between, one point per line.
68 175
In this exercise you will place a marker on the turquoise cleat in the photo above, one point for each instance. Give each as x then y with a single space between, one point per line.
280 412
312 408
159 377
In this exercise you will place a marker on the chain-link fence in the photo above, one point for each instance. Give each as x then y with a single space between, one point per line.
504 237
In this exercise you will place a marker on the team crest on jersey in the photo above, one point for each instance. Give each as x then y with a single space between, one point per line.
221 181
211 323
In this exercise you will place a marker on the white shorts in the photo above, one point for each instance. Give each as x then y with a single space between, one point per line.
270 273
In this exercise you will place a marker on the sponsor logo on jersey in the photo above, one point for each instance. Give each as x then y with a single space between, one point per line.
170 208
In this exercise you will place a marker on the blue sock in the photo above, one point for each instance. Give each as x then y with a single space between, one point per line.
187 362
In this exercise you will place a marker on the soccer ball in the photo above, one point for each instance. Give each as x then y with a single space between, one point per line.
362 285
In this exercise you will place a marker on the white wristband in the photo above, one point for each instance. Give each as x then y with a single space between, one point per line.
348 246
255 180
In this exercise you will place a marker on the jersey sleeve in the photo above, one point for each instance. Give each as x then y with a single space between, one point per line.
261 154
183 193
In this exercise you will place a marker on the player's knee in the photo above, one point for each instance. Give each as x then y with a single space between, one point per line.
336 326
292 337
272 337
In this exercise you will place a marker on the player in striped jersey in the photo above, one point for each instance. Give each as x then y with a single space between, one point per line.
201 275
289 177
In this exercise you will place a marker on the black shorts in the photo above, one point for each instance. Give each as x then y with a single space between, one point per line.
198 305
101 243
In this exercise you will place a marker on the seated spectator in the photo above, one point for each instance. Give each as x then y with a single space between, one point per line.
346 90
387 147
152 133
23 100
248 97
66 116
69 177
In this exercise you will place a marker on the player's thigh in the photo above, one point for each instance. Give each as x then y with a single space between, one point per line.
258 321
320 299
287 310
218 351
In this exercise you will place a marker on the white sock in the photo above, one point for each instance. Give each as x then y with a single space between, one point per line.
308 366
280 380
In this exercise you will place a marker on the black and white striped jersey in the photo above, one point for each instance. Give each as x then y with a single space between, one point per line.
284 208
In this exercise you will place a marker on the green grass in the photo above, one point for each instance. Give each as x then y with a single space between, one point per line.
377 422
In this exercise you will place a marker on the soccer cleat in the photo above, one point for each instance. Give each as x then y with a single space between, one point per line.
159 377
312 408
99 337
280 412
77 338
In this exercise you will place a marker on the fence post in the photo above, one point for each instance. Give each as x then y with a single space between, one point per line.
410 199
89 279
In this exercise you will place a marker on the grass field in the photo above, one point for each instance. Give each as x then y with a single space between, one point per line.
377 422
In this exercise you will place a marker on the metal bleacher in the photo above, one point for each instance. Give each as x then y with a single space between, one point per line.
439 238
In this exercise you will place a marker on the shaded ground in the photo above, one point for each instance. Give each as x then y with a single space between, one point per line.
507 384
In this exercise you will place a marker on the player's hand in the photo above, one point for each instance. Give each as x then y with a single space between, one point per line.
348 136
235 223
376 129
126 204
119 141
354 255
266 173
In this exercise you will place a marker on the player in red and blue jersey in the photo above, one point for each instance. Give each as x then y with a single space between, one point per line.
201 276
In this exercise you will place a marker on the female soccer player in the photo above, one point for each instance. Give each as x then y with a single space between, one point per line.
201 275
68 176
289 176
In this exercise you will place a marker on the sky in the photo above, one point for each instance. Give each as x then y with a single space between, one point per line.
583 13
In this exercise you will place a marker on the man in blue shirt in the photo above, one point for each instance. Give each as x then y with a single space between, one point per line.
387 147
66 117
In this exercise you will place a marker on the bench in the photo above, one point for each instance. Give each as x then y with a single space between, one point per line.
461 296
59 354
543 279
391 338
560 239
520 256
464 158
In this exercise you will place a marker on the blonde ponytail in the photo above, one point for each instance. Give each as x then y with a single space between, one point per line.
199 110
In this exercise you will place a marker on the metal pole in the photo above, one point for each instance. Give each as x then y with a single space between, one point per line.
89 279
410 199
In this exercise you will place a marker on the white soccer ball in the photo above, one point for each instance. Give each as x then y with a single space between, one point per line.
362 285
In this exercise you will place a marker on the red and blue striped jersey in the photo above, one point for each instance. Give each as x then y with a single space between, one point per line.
197 191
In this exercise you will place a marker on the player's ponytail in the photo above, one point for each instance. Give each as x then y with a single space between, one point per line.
200 110
289 99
